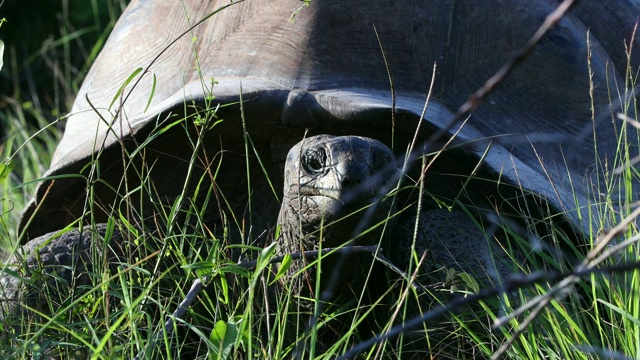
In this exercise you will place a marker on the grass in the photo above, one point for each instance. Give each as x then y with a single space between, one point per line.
131 290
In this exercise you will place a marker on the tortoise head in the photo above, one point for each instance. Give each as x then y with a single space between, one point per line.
334 195
328 178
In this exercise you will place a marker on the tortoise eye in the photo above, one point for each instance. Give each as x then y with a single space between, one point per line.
313 161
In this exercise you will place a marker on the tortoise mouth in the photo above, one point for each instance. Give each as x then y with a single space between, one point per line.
360 194
354 208
348 199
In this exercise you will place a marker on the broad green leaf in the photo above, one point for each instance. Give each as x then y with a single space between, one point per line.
266 253
469 282
234 269
264 257
5 169
224 336
205 266
284 266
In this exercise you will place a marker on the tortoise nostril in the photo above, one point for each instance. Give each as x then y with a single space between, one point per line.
349 182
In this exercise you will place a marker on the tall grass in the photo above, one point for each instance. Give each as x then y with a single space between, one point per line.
31 108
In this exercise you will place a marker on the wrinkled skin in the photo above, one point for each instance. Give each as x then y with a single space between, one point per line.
329 184
326 177
50 268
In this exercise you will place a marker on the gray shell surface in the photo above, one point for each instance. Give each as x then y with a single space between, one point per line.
324 70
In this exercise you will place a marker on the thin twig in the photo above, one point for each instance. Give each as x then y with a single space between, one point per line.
590 262
512 284
469 106
391 266
196 288
478 97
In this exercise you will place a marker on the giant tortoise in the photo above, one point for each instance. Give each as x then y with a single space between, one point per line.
323 68
541 145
